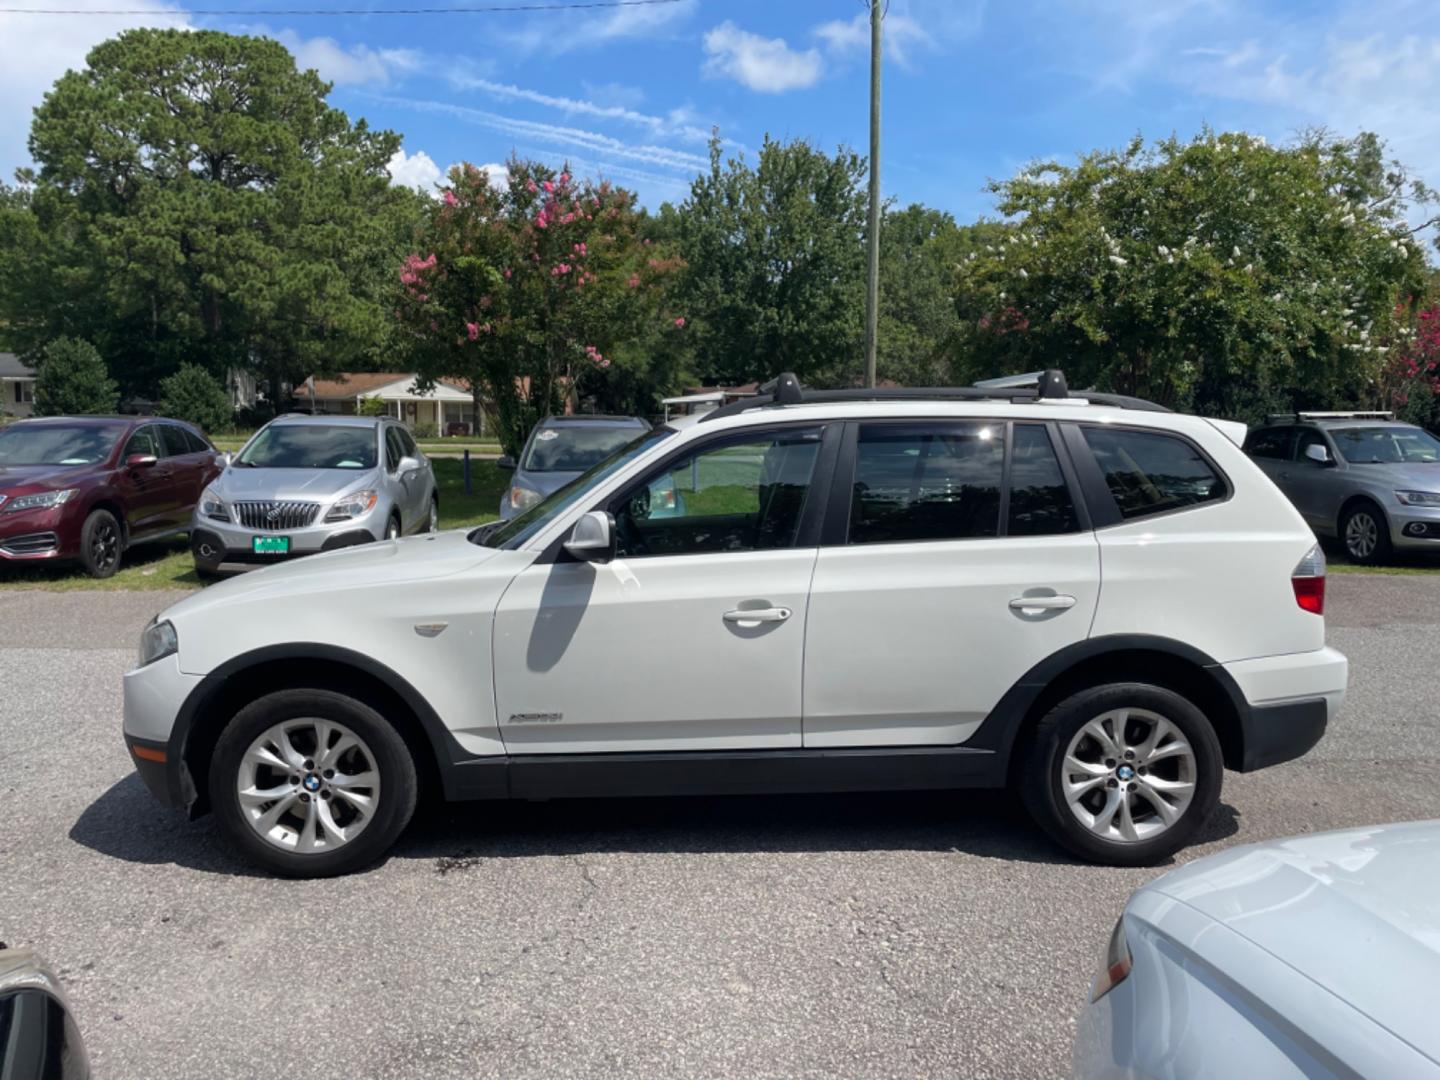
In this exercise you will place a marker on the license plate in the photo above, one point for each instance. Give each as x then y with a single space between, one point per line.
270 545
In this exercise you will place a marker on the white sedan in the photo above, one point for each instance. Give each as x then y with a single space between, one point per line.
1313 956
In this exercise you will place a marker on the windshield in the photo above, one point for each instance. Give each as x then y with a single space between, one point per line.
519 529
1386 445
57 444
311 446
573 449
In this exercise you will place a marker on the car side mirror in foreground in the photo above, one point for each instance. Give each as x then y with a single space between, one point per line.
506 462
1318 454
408 465
140 461
593 538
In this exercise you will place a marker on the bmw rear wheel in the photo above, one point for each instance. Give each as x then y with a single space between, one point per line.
1123 774
311 783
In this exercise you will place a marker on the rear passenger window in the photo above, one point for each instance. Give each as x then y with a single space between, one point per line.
1269 443
1040 503
197 444
930 482
176 445
1150 473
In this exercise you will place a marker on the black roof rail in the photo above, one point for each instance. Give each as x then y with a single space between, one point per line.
1049 386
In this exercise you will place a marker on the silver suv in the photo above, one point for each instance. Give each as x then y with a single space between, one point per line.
304 484
1358 476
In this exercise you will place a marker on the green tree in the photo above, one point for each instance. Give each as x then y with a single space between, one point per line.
1220 274
72 381
197 200
775 265
193 394
534 293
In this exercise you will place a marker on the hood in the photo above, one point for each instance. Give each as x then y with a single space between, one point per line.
1408 476
241 482
414 558
28 478
1358 912
544 482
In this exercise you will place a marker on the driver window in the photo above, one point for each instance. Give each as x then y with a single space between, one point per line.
741 494
1308 438
143 442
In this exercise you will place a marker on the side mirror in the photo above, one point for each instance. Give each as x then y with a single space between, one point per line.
1318 454
140 461
407 465
224 460
506 462
593 538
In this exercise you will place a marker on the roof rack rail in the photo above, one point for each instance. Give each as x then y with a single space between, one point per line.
1049 385
1341 414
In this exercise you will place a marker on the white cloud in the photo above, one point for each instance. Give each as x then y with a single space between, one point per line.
676 123
417 170
557 134
910 26
35 50
767 65
497 174
353 65
549 34
613 93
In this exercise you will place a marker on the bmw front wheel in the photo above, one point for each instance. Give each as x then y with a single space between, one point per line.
311 783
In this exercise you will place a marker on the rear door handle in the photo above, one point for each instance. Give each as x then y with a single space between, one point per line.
1042 603
758 615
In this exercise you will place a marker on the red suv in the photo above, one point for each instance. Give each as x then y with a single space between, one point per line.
87 487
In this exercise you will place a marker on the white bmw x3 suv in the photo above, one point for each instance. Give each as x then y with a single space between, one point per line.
1099 602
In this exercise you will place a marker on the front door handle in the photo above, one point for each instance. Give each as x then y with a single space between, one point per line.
745 616
1042 603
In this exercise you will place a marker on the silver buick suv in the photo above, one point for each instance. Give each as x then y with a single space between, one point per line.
304 484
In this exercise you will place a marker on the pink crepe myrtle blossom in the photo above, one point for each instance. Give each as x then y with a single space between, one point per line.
634 281
580 249
530 186
680 323
472 331
564 178
449 198
548 186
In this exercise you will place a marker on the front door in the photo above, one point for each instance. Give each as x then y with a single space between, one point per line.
1313 485
693 637
150 496
942 590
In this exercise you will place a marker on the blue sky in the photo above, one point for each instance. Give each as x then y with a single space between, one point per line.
974 89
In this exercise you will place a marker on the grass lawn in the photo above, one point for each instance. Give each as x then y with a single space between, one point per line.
167 564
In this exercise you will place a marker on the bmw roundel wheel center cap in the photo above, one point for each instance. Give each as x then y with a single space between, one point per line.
312 782
1124 772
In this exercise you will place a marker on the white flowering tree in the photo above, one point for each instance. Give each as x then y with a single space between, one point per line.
1221 274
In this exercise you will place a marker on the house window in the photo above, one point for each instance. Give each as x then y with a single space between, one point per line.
24 392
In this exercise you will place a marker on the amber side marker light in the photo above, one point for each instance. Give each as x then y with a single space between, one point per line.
148 754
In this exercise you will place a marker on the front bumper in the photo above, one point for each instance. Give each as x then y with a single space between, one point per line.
37 535
1291 699
1415 528
214 542
154 695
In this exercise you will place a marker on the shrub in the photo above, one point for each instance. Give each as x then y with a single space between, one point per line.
373 406
73 380
193 394
426 431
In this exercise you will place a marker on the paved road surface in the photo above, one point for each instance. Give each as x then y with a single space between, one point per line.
816 936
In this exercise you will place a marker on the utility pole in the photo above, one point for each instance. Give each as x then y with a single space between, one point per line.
872 284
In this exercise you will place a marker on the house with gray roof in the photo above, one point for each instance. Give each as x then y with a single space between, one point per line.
17 386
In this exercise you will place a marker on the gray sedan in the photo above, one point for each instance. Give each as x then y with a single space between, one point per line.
304 484
1361 477
1314 956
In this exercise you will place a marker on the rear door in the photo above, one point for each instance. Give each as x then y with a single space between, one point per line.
1270 448
957 557
188 460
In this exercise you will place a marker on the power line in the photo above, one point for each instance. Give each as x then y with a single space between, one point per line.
578 5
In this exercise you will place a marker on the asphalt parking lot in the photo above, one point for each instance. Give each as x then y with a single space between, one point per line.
874 936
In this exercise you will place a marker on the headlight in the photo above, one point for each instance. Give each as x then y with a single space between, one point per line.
1419 498
158 640
39 501
352 505
523 498
212 506
1115 965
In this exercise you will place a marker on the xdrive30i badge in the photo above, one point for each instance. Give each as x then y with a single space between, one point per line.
536 717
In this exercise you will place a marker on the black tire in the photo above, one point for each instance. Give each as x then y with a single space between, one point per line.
1042 777
1365 534
101 544
392 758
393 529
432 521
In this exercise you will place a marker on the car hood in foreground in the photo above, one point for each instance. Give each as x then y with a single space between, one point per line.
1357 912
243 482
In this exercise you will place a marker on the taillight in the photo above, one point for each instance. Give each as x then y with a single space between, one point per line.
1308 580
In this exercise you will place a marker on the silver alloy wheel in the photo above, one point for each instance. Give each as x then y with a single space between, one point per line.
1361 534
308 785
1128 775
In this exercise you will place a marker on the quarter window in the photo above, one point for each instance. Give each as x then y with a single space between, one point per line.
1040 503
1270 443
741 494
927 482
1149 473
